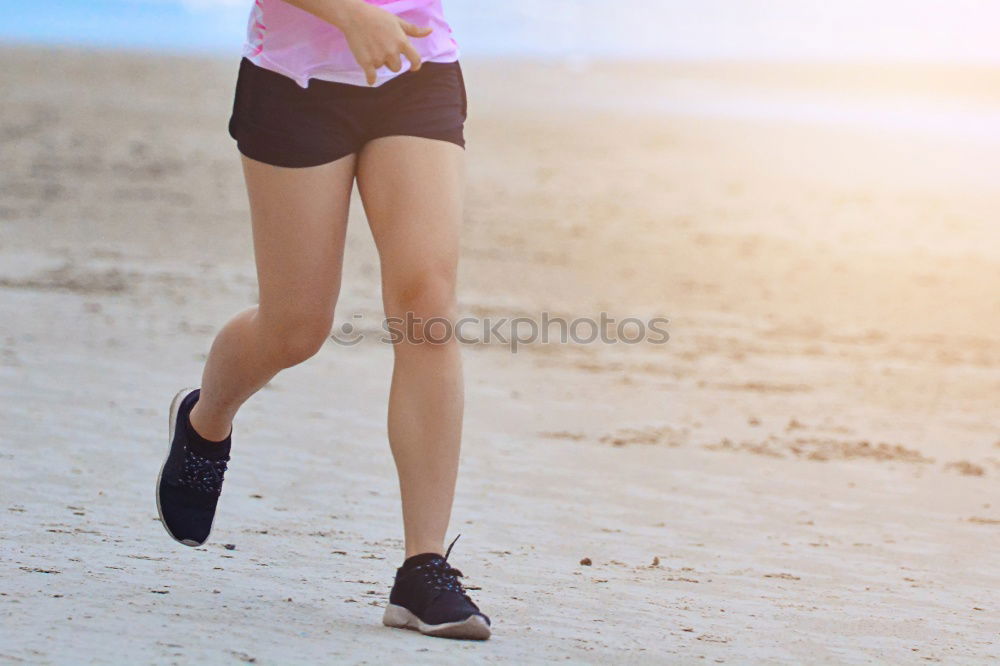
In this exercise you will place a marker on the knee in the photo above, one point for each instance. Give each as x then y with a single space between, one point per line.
424 296
424 305
293 339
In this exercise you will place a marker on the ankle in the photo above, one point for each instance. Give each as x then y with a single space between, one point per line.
210 430
423 549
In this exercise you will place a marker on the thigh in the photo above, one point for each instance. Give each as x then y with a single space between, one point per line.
412 189
299 221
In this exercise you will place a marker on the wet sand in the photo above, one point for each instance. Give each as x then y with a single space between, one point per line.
806 472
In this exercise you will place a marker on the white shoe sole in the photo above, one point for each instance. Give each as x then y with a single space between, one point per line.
174 408
473 628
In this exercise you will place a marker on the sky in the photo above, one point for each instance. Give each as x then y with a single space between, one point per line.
885 30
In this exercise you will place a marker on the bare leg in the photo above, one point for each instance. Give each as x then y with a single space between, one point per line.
299 221
412 192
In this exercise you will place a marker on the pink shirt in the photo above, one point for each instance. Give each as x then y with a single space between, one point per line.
293 42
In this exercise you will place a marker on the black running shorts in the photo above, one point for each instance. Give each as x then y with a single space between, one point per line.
276 121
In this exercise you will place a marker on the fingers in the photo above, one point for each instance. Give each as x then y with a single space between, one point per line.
412 55
413 31
392 58
393 62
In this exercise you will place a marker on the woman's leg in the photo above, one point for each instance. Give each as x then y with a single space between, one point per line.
299 219
412 192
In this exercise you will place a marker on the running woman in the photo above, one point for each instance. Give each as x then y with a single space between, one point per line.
329 92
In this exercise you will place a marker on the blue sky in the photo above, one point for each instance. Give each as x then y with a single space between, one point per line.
921 30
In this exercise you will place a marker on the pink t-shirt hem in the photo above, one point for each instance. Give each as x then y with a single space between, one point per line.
352 77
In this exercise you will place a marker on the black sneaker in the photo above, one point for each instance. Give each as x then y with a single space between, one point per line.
190 481
428 597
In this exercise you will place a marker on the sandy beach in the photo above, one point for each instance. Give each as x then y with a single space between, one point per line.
807 472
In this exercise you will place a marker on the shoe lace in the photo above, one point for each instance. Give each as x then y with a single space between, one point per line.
443 577
203 474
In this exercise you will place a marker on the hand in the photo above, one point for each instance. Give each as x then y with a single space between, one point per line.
377 37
